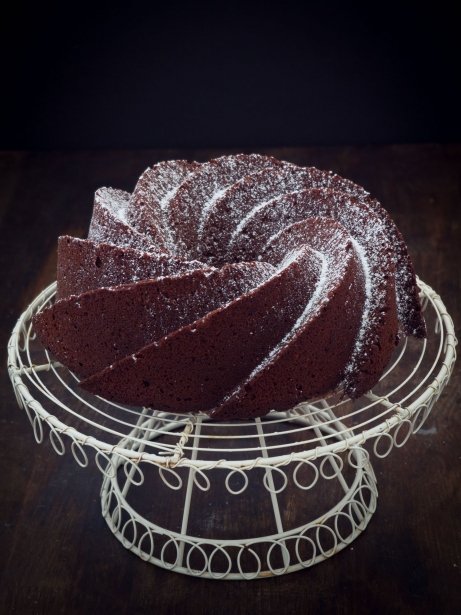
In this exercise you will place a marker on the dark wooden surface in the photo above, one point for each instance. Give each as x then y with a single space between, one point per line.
57 555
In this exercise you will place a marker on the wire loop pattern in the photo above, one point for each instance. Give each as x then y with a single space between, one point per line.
307 472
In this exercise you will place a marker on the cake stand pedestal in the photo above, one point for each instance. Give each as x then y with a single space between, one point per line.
242 499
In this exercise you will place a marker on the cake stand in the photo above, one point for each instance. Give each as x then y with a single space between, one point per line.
242 499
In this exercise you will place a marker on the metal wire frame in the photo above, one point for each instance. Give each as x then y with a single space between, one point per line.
324 438
50 394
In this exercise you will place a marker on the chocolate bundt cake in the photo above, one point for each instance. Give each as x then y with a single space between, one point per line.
234 287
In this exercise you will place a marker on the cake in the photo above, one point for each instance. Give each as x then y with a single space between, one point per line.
232 287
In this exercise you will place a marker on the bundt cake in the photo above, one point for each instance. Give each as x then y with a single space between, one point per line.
233 287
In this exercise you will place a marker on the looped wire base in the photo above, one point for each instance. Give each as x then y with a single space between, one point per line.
242 499
336 521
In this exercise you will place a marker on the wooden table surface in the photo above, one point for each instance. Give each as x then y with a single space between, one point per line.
57 555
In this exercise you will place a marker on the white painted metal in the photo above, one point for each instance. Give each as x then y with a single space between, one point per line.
330 439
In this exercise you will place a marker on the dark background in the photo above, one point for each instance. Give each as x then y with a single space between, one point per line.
99 76
286 82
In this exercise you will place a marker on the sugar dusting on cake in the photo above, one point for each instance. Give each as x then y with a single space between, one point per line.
311 306
149 204
367 324
109 222
196 198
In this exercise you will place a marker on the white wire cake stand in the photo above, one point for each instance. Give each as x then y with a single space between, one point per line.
242 499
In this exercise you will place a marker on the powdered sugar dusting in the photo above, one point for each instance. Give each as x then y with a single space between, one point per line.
117 207
109 222
207 207
311 305
365 326
243 222
196 198
165 200
115 202
150 201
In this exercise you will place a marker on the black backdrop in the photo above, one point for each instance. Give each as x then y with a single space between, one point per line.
100 76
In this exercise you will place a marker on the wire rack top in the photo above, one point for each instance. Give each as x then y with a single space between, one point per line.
400 402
